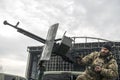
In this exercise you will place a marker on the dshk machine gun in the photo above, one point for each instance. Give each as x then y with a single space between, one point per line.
50 45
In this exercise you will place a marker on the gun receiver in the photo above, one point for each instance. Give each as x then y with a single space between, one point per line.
31 35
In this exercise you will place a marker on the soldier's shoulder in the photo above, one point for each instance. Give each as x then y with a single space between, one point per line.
95 53
113 60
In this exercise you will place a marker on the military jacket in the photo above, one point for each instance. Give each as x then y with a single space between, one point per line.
108 64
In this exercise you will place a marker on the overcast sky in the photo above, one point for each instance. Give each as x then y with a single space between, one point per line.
95 18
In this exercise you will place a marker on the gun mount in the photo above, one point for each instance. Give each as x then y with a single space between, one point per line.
50 45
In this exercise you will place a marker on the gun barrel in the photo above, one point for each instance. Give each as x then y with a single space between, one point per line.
31 35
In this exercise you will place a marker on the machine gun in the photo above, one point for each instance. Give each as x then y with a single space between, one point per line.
50 45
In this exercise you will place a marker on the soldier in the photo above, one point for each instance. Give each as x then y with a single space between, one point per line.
100 65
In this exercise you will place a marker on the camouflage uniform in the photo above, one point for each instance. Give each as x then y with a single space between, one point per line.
108 64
